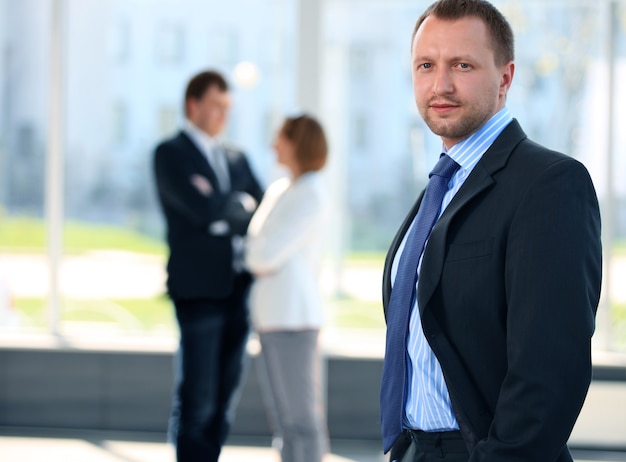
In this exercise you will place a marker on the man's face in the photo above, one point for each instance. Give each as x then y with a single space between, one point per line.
210 113
456 82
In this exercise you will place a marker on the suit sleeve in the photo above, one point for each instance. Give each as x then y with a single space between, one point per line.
174 172
243 200
252 187
552 277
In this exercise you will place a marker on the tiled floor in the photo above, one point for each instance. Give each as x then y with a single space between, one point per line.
102 447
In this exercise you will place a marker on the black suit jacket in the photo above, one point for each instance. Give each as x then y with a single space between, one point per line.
200 263
508 290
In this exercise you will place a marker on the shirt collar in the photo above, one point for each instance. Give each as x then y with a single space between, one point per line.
205 142
469 151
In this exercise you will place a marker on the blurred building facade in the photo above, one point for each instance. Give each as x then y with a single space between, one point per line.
125 64
127 61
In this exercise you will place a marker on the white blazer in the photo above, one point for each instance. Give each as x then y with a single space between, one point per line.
284 250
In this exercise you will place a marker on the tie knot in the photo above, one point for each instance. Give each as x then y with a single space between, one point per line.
445 167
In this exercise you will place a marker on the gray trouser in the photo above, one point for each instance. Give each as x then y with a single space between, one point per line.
292 365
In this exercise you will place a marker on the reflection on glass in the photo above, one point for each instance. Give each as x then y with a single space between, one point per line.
126 64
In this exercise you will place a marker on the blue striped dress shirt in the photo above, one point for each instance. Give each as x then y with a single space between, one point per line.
428 405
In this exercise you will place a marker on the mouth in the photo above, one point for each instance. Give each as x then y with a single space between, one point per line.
443 108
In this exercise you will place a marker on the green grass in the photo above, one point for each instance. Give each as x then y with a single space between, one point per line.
24 234
132 315
157 315
618 314
367 258
352 313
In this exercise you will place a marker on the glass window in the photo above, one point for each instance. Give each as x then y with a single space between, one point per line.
169 120
125 65
170 44
120 122
560 94
120 44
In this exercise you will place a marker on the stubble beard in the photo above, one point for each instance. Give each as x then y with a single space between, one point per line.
459 127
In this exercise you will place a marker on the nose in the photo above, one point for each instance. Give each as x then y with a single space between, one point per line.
442 83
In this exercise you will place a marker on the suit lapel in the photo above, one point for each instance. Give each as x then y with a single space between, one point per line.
481 178
199 158
434 254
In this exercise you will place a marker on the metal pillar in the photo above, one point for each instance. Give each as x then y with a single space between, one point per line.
309 57
54 164
605 320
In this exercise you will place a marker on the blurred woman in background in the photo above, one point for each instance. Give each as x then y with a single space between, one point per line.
284 249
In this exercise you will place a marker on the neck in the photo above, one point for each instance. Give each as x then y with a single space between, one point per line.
295 172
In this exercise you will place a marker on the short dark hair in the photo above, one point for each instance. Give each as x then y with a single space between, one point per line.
307 135
497 25
200 83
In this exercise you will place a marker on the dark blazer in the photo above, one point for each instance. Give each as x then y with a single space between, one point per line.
508 290
200 263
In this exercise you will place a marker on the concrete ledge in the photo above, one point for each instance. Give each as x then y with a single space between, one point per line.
57 383
125 386
609 366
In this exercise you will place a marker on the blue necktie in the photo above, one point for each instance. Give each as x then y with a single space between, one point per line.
393 387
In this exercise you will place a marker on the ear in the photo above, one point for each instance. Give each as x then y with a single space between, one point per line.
506 73
190 107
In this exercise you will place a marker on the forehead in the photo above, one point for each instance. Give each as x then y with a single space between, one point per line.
214 95
463 36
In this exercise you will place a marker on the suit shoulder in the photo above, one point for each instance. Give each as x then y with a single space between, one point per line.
534 152
180 141
513 139
536 160
177 144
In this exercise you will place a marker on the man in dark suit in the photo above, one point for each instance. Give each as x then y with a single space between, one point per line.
494 361
208 193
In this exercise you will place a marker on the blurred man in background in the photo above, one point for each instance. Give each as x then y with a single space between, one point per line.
208 193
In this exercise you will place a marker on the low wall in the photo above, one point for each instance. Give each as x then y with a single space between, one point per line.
130 391
124 390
